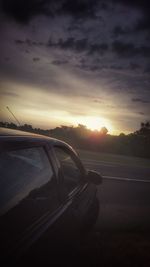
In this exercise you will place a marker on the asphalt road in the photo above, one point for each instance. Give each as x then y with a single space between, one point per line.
124 194
121 236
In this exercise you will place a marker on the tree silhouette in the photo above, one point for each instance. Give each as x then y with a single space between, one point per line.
145 129
80 137
145 124
103 131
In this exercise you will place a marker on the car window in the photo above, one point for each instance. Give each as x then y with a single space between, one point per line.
68 168
23 172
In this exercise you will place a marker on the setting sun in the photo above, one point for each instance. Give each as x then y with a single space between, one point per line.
93 123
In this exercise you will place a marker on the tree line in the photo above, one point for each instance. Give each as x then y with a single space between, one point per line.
133 144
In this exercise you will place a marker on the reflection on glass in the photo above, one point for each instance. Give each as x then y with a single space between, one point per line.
21 172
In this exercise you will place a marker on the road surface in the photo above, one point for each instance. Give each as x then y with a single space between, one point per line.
124 194
121 236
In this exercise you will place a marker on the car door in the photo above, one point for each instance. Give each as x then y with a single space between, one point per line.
76 190
29 201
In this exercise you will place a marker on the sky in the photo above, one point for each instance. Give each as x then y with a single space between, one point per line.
66 62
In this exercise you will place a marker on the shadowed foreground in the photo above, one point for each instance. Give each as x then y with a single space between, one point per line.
121 236
116 248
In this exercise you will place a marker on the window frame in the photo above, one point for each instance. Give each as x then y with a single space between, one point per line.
9 145
38 227
78 164
21 144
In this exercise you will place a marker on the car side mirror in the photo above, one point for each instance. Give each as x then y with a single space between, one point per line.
94 177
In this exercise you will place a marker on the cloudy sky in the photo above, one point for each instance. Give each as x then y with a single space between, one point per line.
66 62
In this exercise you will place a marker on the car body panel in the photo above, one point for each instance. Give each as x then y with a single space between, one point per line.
64 222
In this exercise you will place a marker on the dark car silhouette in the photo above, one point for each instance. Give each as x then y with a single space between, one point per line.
47 198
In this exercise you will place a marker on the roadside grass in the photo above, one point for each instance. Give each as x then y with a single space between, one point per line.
113 158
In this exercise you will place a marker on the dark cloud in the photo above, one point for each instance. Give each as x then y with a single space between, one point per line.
11 94
144 7
144 51
79 45
142 24
123 49
7 58
19 42
116 67
24 10
147 69
118 30
88 66
59 62
129 49
35 59
98 48
140 100
141 113
28 42
74 27
94 67
80 8
134 66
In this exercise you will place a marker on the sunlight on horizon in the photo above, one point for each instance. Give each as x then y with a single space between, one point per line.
92 122
46 110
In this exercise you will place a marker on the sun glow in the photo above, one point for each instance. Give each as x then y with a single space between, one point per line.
93 123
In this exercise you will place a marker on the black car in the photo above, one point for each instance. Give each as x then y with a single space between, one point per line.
47 198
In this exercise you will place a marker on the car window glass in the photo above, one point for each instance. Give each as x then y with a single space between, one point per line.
23 172
70 171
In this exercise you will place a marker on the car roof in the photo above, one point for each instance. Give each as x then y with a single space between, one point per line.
12 132
7 133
